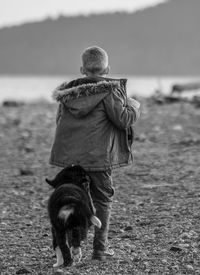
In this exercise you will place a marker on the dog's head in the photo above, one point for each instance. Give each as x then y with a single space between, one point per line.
71 174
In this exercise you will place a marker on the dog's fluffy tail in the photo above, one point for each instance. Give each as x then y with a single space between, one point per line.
65 212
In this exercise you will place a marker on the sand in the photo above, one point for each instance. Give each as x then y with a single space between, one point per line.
155 222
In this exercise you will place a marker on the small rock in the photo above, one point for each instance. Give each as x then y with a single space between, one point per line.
175 267
175 249
23 271
156 128
177 127
158 97
193 234
164 261
28 149
12 103
58 272
16 122
190 267
157 231
123 262
133 248
136 259
146 264
196 101
128 228
161 224
184 245
141 138
25 172
25 134
144 223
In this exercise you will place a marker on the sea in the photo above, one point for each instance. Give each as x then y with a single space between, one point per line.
34 88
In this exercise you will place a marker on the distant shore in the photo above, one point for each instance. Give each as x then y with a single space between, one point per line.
31 88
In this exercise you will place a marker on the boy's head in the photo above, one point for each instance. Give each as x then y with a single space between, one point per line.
94 61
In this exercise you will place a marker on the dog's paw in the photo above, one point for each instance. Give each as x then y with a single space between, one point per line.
58 264
76 254
68 263
59 257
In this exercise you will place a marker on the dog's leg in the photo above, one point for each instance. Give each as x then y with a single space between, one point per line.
65 251
76 254
59 256
76 242
54 243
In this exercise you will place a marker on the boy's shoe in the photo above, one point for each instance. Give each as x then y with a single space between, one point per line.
102 255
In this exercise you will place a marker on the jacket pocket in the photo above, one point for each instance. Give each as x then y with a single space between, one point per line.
107 184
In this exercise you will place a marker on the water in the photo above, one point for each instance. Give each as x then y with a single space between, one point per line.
41 87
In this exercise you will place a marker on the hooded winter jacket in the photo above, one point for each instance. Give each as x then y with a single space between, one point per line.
94 124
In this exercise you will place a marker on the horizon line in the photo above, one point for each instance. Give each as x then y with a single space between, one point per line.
79 14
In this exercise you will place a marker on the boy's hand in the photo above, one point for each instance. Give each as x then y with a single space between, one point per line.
133 103
136 105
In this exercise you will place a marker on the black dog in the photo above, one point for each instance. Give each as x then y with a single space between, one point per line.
71 213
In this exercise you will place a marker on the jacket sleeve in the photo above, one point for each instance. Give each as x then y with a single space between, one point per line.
123 114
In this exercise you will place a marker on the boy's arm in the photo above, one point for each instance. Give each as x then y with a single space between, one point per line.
123 116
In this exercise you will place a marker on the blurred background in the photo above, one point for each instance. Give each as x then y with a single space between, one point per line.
154 43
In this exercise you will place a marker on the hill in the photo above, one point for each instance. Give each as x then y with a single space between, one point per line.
161 40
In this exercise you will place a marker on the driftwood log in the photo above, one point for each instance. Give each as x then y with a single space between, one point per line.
179 88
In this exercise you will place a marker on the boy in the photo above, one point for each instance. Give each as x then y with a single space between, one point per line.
94 130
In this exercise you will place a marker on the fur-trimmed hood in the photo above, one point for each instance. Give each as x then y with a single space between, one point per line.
84 97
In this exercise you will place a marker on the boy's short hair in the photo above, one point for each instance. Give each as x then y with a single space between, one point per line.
94 59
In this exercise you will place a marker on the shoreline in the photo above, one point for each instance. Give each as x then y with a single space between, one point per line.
35 88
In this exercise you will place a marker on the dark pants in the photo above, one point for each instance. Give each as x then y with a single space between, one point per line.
102 192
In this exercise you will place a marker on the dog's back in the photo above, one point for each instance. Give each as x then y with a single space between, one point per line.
68 207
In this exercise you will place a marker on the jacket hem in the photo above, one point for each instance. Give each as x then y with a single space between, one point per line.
94 168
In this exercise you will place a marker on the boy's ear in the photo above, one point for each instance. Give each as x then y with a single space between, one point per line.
82 70
107 70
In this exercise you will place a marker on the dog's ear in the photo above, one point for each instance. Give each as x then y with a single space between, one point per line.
50 182
86 186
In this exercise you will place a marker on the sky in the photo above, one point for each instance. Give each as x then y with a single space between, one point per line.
14 12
